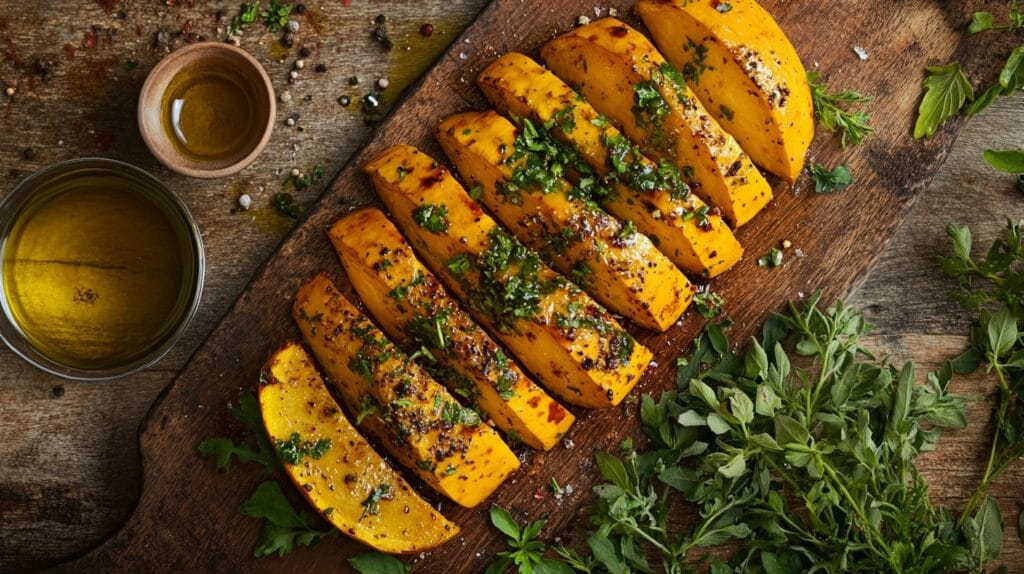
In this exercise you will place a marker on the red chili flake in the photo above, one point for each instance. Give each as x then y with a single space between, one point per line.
186 27
346 3
89 41
539 494
427 30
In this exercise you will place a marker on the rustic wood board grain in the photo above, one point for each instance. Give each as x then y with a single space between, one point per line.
187 515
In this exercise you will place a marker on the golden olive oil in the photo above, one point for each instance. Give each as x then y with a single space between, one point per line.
210 113
97 270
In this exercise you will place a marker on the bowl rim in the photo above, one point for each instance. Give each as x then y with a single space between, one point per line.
21 192
170 64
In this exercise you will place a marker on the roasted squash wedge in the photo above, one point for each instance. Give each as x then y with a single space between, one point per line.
654 197
398 403
350 485
570 343
414 310
615 264
744 70
621 74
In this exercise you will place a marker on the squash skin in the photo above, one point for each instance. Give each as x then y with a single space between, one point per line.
415 434
363 240
605 59
627 274
518 86
294 399
753 70
581 365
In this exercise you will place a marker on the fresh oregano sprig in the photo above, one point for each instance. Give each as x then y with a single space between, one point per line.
993 286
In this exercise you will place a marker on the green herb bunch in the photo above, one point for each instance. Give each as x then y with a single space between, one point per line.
993 286
804 446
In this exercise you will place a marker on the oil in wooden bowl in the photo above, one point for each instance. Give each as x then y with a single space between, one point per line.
207 110
210 112
101 269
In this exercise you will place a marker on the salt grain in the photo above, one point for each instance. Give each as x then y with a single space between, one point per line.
861 52
245 201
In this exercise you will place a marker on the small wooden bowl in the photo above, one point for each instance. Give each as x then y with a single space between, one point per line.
214 55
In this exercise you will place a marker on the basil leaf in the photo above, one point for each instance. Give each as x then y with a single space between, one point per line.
1007 161
946 90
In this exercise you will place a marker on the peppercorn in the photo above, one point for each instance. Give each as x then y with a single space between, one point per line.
380 19
288 40
427 30
29 154
300 9
305 52
353 81
321 68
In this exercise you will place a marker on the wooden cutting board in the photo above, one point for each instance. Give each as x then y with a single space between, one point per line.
187 518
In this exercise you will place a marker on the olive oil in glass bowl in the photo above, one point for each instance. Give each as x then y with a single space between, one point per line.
102 269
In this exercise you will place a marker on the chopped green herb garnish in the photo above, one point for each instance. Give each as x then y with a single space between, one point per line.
772 259
284 204
826 181
294 449
371 504
431 217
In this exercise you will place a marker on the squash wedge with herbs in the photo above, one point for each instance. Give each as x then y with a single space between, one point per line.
414 310
572 345
521 185
744 70
348 483
624 77
398 403
652 196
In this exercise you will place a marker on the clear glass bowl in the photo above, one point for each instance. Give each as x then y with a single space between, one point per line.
59 178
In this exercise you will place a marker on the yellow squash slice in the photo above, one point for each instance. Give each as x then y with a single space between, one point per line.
414 310
744 70
570 343
350 485
653 196
621 74
398 403
617 265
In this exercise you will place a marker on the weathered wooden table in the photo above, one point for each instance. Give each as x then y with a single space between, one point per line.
69 467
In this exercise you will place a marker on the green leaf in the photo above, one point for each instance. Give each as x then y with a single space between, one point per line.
269 502
980 21
378 563
720 535
1007 161
828 181
284 527
612 470
903 396
782 562
1002 332
604 553
946 90
503 521
692 418
736 467
765 441
990 530
718 424
961 236
766 402
741 407
705 392
789 431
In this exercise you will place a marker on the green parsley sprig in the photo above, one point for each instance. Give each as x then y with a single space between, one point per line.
828 181
284 527
830 111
